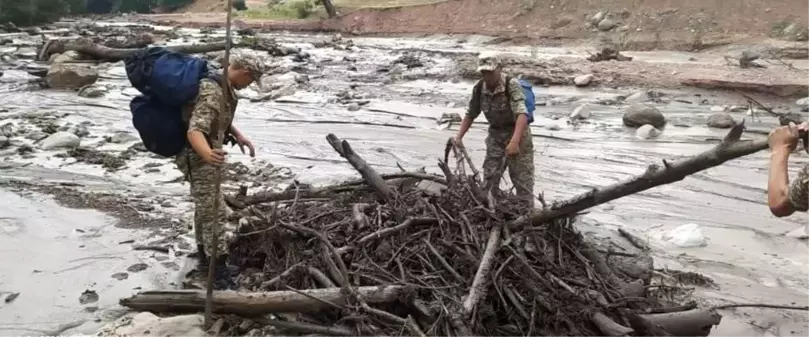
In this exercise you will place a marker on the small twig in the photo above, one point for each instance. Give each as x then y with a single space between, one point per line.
444 262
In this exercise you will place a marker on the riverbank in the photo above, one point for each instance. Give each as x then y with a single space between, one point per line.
362 89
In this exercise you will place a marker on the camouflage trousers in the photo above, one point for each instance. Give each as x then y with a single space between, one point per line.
520 167
201 177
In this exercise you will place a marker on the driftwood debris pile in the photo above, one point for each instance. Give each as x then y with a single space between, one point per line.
383 258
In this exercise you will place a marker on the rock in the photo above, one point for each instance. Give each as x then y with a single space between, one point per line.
60 139
353 106
606 25
596 19
24 149
301 78
638 97
121 137
686 236
148 324
11 297
26 53
803 102
137 267
68 56
120 276
647 131
36 136
583 80
63 76
801 232
561 22
88 296
721 121
92 91
581 112
717 108
640 114
795 32
80 130
450 117
7 130
4 143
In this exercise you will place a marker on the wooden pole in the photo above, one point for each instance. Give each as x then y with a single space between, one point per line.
218 171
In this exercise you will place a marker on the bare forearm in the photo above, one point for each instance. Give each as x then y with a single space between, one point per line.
778 183
519 128
198 142
235 131
466 123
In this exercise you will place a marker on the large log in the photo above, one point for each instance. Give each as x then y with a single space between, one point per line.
730 148
255 304
697 322
86 46
366 171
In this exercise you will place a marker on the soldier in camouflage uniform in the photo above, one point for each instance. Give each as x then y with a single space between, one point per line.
783 198
199 159
509 141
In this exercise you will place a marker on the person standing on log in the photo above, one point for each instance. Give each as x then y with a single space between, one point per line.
783 198
198 160
502 101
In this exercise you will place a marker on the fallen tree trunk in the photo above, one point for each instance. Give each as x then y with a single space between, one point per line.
256 304
730 148
697 322
368 173
104 53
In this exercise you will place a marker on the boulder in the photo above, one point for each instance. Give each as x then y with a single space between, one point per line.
607 25
60 139
638 97
803 102
647 132
597 18
92 91
721 121
580 112
640 114
353 106
583 80
64 76
68 56
148 324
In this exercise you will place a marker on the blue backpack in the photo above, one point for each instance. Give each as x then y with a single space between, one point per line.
528 92
168 81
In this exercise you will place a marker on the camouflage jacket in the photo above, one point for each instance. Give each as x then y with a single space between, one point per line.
495 104
799 190
203 113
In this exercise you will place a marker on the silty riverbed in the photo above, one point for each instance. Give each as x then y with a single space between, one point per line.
388 112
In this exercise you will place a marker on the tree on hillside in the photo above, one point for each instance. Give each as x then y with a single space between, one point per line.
329 8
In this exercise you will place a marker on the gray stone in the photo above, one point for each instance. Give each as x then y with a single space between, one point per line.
26 53
583 80
353 107
647 131
639 114
4 143
720 121
64 76
68 56
638 97
92 91
121 137
301 78
60 140
7 130
581 112
606 25
596 19
803 102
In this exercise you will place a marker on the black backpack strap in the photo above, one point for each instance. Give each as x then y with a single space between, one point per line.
508 93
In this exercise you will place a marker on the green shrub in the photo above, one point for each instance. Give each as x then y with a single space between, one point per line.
303 8
32 12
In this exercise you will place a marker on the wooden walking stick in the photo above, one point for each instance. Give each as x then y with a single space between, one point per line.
218 170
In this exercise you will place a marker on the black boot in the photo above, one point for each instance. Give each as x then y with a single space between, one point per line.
202 259
223 276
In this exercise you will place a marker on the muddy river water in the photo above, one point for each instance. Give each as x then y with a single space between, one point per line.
748 252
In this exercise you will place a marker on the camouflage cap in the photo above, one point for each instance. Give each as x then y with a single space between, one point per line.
250 62
488 63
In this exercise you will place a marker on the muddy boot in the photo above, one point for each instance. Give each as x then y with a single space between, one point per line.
223 277
202 259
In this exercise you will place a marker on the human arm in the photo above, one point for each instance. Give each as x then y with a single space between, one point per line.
203 117
242 141
782 198
521 116
472 112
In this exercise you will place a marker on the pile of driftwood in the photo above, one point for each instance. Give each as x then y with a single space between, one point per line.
440 255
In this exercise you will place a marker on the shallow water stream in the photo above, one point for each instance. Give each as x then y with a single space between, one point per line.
747 252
